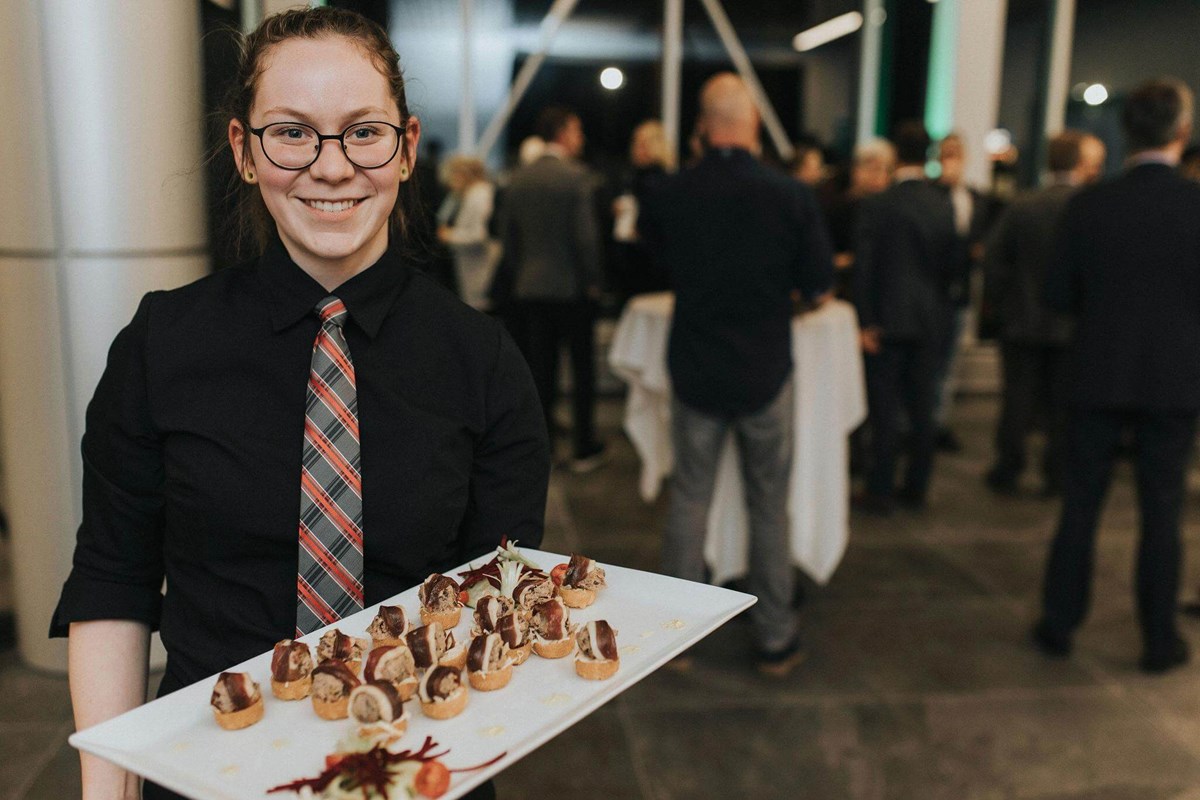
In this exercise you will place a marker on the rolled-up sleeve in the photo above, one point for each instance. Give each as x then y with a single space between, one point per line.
117 569
511 468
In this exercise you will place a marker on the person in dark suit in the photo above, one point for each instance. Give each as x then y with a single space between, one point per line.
1034 339
907 246
1127 266
552 245
974 213
738 239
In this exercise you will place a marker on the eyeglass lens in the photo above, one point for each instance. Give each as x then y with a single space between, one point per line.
294 146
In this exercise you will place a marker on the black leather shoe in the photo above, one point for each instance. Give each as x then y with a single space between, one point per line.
1157 663
780 663
1000 482
947 442
1050 642
912 501
873 504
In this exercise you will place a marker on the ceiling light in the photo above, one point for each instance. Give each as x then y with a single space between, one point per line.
1095 94
827 31
997 141
612 78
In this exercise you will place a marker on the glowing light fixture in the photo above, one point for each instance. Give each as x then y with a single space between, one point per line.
827 31
612 78
997 141
1095 94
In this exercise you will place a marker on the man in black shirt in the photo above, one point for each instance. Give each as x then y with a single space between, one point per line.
738 240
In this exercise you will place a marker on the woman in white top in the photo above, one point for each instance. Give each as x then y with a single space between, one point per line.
463 227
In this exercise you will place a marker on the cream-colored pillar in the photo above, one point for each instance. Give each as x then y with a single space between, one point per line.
966 55
102 201
1058 76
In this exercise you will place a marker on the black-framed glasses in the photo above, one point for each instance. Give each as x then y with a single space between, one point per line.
294 145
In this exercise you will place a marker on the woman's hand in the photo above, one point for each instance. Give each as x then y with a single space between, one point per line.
107 665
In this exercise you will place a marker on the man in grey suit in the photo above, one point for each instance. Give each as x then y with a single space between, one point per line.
551 241
1033 338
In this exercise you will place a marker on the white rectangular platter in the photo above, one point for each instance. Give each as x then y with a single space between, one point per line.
175 742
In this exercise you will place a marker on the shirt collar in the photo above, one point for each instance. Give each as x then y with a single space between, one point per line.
1160 157
909 173
732 154
292 293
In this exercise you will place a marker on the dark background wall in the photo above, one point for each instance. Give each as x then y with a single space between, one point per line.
1118 43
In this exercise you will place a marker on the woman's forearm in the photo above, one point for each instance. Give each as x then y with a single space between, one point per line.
107 665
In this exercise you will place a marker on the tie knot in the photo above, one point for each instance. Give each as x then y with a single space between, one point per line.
332 310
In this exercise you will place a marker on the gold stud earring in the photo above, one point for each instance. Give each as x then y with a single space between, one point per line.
249 176
404 172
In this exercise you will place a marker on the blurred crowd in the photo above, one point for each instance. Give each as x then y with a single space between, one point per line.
927 260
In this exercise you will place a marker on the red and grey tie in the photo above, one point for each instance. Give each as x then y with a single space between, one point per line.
329 585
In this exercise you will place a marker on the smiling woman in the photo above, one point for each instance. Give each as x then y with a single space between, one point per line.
328 195
291 440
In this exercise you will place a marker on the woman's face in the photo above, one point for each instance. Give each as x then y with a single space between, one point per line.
332 216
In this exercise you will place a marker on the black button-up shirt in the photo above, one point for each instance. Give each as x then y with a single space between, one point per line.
194 437
737 237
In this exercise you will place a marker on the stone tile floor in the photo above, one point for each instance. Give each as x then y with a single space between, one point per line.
918 684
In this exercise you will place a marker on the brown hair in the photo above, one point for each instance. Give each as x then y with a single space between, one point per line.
1064 151
252 226
1156 113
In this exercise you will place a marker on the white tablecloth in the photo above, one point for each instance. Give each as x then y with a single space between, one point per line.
830 403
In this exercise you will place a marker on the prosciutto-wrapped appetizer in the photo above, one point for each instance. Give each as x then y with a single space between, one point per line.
236 701
488 611
291 670
533 588
514 632
440 601
340 647
488 664
332 684
442 693
389 626
432 645
581 581
378 701
553 635
597 658
394 664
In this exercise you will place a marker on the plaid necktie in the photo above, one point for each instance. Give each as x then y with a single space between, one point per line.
329 584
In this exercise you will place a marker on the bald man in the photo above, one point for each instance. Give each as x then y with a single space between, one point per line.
737 239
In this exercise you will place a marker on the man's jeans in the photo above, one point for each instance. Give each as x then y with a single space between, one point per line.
764 442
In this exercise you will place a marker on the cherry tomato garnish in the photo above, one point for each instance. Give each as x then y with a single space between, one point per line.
433 779
463 597
556 574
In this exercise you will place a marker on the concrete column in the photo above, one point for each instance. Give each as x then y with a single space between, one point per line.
870 59
672 72
966 53
1058 77
103 201
466 103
